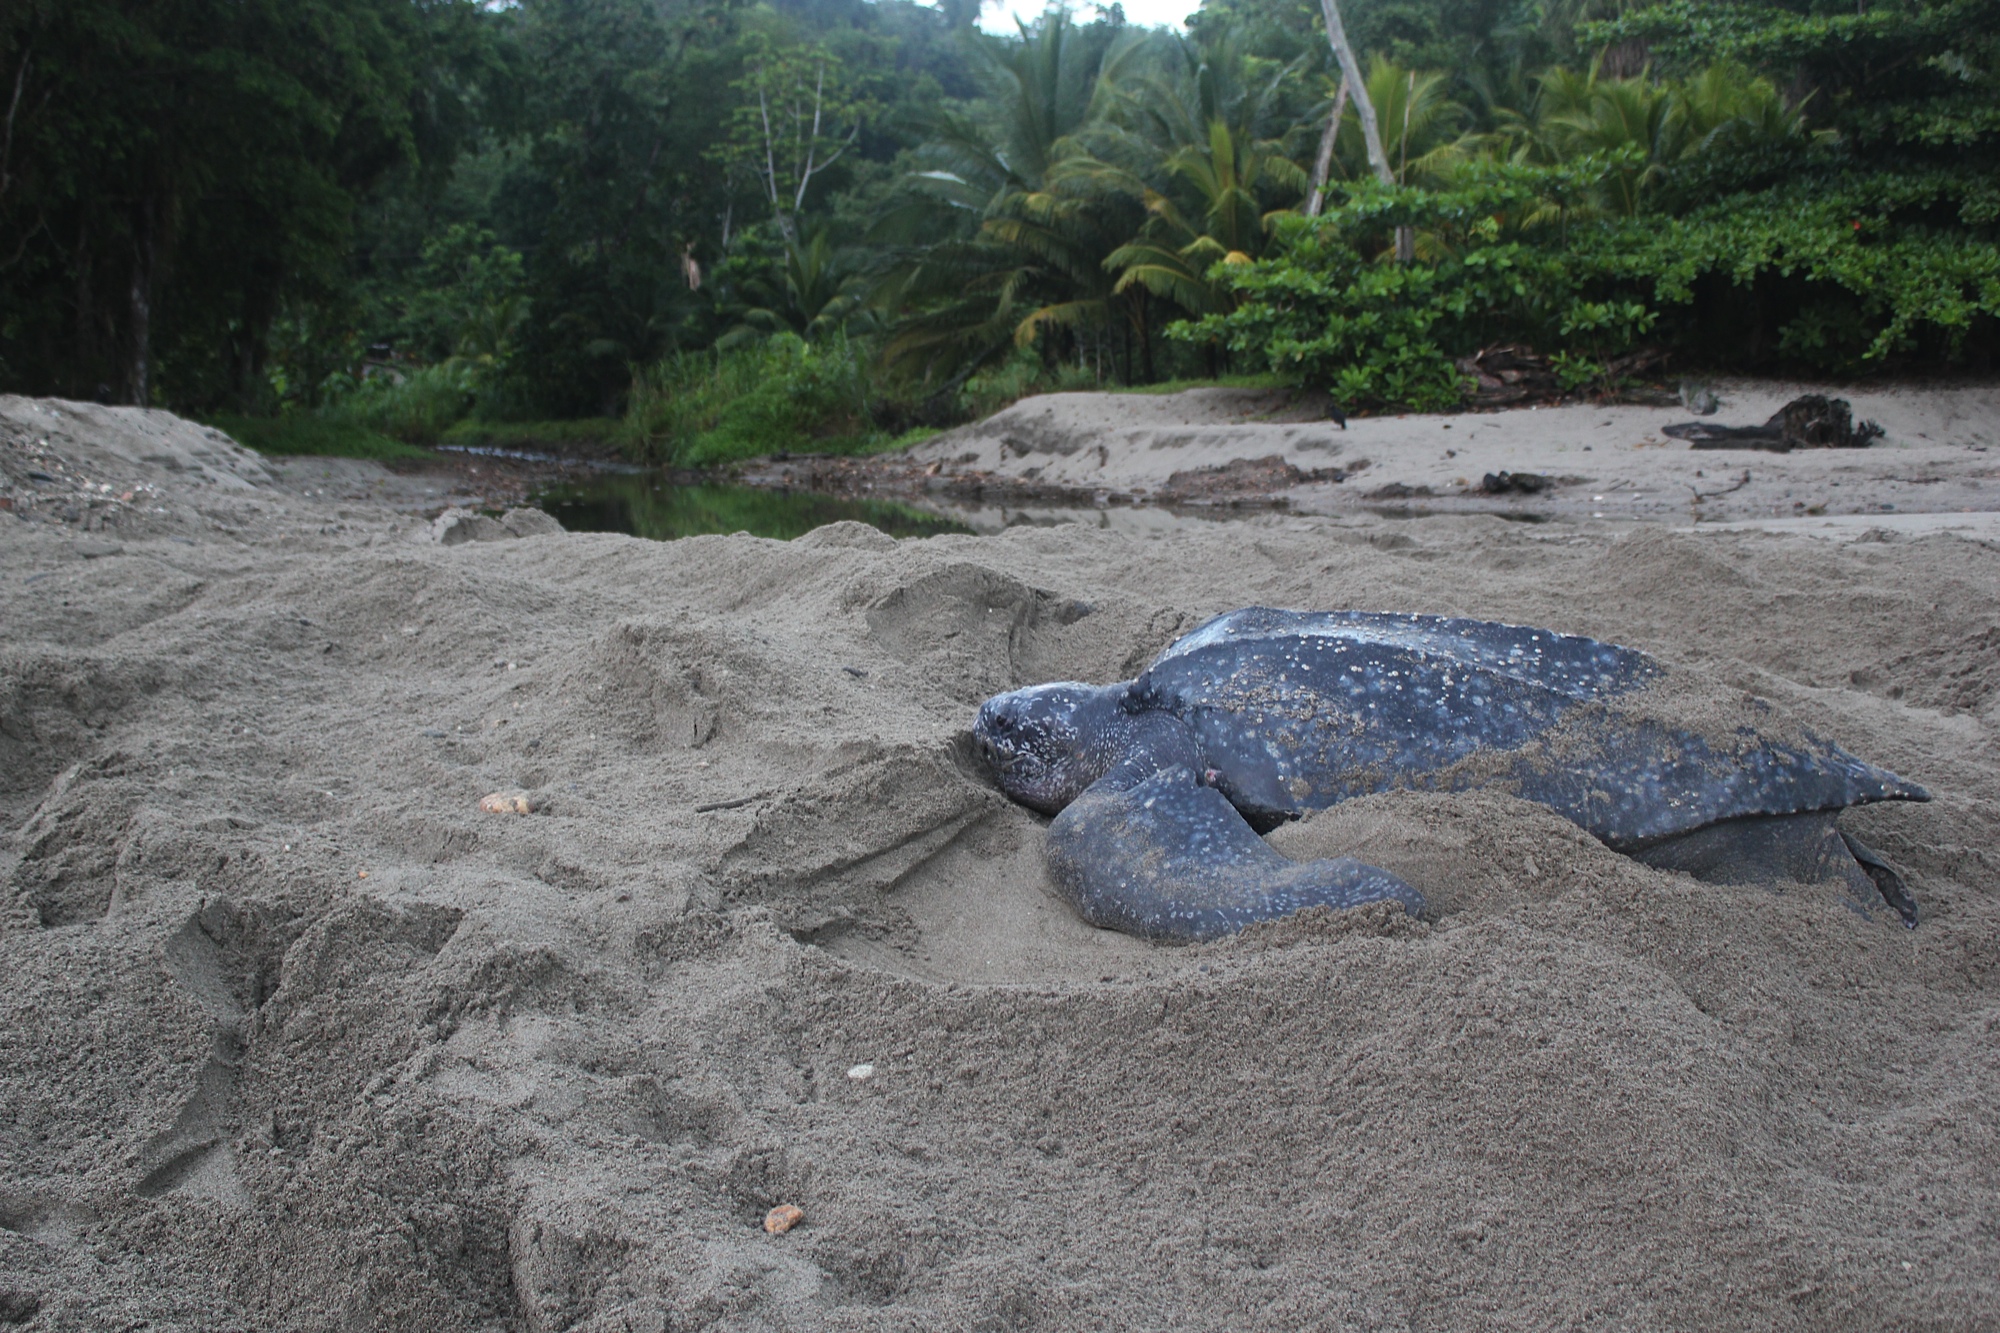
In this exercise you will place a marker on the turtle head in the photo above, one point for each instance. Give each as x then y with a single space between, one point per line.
1047 743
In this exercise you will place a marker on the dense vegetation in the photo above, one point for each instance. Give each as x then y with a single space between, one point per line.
737 227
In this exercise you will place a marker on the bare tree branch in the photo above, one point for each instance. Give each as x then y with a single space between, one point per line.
1350 74
1323 164
13 106
812 140
770 147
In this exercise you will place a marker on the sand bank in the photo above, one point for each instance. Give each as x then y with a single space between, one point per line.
1940 454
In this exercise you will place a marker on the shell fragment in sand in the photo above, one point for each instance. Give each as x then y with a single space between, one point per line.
507 803
783 1218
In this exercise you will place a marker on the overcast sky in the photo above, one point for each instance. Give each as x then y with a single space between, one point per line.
999 15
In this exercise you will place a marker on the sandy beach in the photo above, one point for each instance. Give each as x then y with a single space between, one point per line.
297 1036
1938 454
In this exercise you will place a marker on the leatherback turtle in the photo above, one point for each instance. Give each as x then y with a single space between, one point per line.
1161 785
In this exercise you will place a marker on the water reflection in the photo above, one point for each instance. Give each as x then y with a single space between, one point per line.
665 505
650 505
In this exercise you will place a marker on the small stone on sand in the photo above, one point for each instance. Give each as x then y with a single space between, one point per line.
783 1218
507 803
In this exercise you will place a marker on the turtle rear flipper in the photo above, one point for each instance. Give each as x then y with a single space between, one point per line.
1767 849
1169 858
1887 882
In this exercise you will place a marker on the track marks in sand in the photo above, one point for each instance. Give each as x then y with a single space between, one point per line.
660 687
71 846
824 856
976 631
57 705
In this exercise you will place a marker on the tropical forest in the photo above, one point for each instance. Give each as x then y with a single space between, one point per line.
705 229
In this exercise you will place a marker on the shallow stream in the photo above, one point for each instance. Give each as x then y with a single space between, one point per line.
647 504
654 504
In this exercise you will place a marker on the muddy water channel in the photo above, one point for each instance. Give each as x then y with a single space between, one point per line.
664 506
649 504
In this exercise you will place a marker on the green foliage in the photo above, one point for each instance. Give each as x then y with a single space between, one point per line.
1866 270
417 408
172 173
807 288
1020 375
784 394
617 104
405 215
469 298
1327 310
308 433
799 110
1001 249
1913 84
1829 278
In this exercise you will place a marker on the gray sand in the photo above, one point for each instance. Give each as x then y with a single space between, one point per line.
295 1037
1941 454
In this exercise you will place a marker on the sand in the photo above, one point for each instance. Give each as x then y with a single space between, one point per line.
296 1037
1940 454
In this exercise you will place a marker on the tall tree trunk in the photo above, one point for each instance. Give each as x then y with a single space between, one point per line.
86 307
139 317
1350 73
253 337
1146 336
1406 237
1371 132
1323 163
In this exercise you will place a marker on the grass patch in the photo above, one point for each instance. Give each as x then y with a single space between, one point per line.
417 409
915 435
1264 380
782 395
588 432
302 433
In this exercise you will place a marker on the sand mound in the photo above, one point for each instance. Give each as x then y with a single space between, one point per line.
297 1037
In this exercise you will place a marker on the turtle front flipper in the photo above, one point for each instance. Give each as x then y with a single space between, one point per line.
1168 858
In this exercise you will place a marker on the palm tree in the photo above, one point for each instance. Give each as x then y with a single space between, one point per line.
1184 128
811 292
1423 129
1174 255
1727 104
1022 248
1655 126
1585 113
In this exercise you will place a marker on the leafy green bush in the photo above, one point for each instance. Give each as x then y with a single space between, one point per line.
1875 266
1023 374
1832 278
782 394
1328 308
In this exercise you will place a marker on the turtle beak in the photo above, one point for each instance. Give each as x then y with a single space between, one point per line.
1000 757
